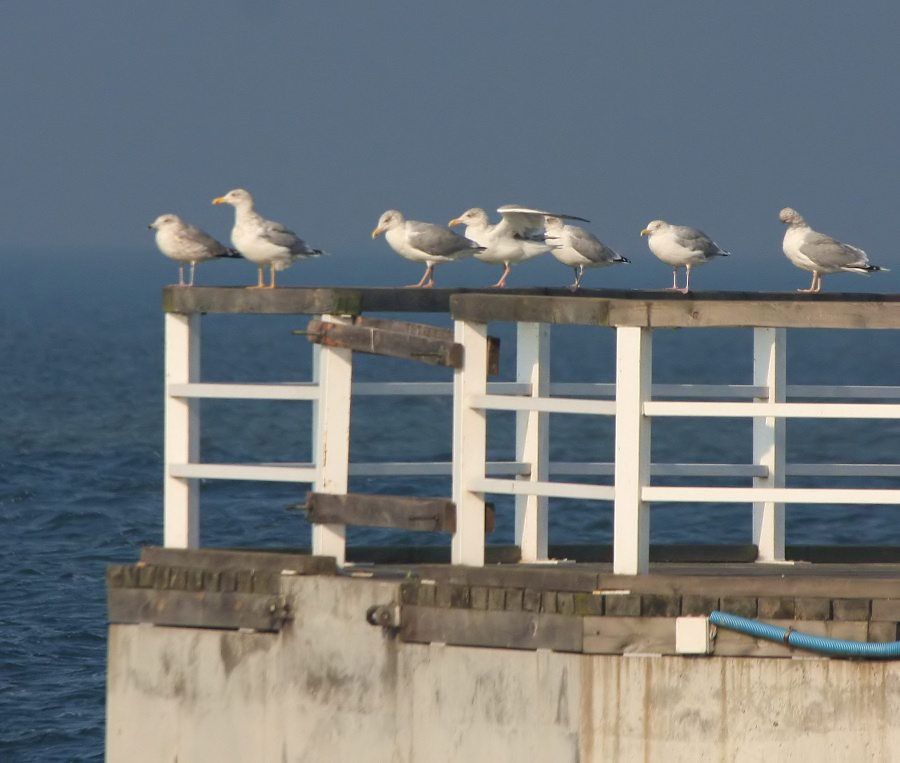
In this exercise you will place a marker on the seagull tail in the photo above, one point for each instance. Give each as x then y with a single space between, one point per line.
231 254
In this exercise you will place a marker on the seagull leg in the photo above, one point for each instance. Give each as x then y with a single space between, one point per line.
817 282
181 274
426 281
191 279
813 287
260 278
272 271
579 274
502 282
687 280
674 286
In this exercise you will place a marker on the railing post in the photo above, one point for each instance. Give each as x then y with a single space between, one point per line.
631 525
769 348
469 443
333 374
181 496
532 439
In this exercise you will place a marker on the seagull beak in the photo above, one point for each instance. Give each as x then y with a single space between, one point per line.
377 232
645 232
454 221
220 200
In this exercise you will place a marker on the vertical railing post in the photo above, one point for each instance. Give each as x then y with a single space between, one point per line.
181 495
532 439
631 524
469 443
769 348
333 374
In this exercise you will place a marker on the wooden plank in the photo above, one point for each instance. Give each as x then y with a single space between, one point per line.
393 511
487 628
203 609
659 310
629 635
733 644
421 342
377 341
221 558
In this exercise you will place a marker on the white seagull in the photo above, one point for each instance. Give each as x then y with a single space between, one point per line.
518 236
681 247
818 253
182 242
263 241
423 242
578 248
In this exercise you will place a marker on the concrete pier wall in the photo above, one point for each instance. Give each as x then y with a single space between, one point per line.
331 687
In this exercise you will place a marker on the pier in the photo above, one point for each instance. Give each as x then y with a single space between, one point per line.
532 650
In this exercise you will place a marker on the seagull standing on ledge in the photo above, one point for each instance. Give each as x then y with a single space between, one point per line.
579 249
182 242
518 236
423 242
818 253
263 241
681 247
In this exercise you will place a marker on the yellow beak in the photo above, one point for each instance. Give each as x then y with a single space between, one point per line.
220 200
645 232
454 221
377 232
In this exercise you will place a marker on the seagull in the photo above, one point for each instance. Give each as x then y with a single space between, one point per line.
423 242
518 236
681 247
818 253
263 241
186 244
578 248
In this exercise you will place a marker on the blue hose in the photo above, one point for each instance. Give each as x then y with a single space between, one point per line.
831 646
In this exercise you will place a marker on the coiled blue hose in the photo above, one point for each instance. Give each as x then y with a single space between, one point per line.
831 646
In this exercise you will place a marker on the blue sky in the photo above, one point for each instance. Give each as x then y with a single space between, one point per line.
701 112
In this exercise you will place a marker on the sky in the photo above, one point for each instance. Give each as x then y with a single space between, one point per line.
699 112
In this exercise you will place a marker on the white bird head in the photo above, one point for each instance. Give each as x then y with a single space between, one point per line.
164 221
790 217
237 197
654 226
390 219
475 216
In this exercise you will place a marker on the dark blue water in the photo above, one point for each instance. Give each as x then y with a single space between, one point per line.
81 441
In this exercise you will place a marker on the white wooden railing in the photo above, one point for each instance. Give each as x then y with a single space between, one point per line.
633 400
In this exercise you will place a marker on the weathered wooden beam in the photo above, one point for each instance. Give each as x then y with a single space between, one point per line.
197 609
399 339
624 635
712 309
489 628
218 559
397 512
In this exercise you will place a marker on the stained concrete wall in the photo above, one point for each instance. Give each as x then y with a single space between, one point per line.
331 687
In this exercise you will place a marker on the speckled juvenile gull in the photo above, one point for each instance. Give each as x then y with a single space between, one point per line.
578 248
423 242
681 247
818 253
186 244
262 241
518 236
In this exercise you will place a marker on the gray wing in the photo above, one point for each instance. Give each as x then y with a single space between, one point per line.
826 251
438 241
589 246
196 240
277 234
526 222
697 241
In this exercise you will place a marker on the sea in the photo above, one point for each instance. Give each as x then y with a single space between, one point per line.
81 404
